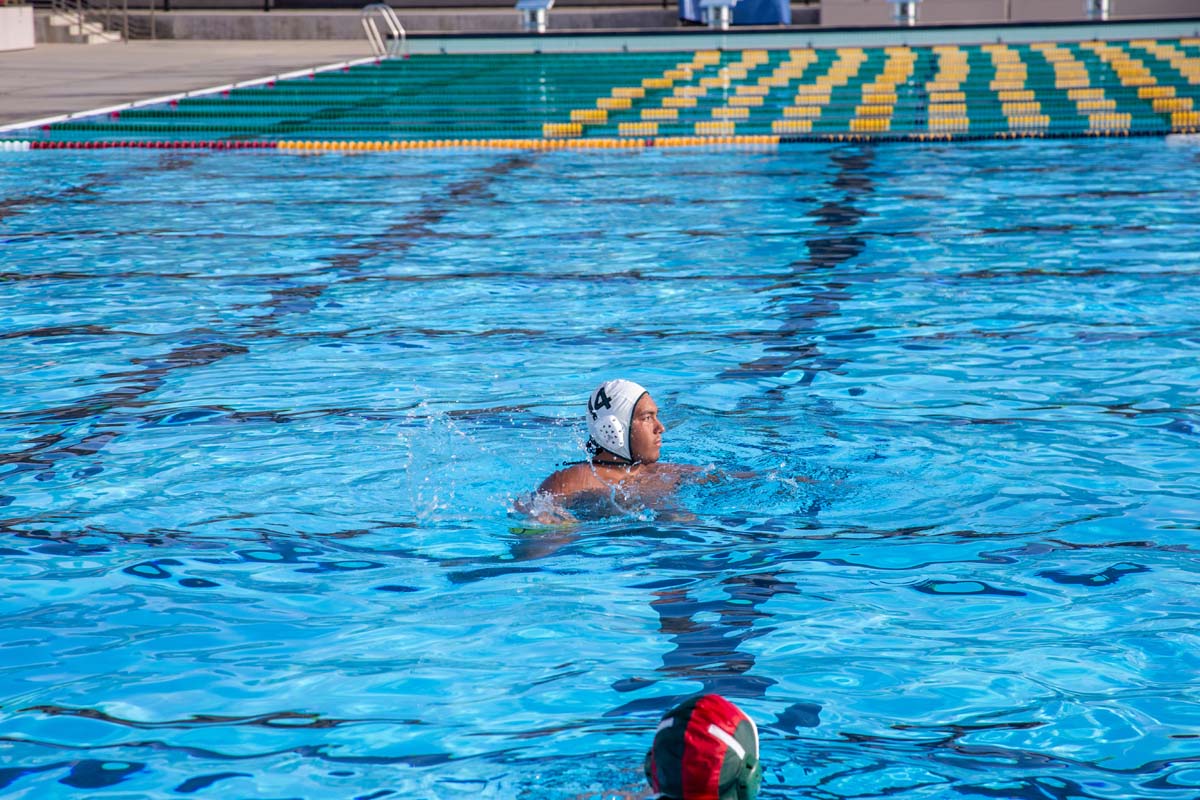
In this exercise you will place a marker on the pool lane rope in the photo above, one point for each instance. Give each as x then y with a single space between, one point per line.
768 141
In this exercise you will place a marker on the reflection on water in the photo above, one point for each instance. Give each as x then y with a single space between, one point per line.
264 421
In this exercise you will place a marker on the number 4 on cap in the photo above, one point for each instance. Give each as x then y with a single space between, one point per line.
599 401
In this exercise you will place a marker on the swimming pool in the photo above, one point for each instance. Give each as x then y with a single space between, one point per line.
266 415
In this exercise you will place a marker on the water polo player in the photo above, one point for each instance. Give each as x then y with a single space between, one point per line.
623 473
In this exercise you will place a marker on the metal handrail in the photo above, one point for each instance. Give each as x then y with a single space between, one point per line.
89 11
397 40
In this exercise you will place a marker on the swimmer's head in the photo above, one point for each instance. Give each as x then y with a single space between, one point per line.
623 420
705 747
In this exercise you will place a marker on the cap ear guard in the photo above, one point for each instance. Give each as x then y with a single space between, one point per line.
610 435
750 778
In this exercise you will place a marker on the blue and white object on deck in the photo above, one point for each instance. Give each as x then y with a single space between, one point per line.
534 14
718 13
736 12
904 12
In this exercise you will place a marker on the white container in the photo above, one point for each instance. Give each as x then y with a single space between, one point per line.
16 27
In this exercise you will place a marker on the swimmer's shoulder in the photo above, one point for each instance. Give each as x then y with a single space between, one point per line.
673 471
680 469
571 480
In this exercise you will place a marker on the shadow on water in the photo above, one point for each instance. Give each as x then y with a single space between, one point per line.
709 652
804 301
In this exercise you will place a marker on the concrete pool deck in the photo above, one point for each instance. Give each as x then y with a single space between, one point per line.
54 79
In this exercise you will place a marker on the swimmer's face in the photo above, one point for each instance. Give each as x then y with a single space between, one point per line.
645 433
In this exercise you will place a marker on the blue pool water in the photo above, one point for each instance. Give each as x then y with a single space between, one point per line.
264 418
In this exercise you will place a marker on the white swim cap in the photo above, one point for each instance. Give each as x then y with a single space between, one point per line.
610 414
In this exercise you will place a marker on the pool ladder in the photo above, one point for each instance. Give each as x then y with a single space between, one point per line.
396 42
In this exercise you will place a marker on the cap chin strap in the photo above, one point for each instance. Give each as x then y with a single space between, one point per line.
603 463
595 449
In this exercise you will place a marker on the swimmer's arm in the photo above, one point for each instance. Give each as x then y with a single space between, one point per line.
555 515
546 504
544 507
